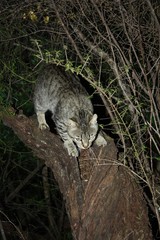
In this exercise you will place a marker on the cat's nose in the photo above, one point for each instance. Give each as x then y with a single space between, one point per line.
86 144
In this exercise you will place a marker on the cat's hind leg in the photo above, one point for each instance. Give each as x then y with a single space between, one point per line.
42 121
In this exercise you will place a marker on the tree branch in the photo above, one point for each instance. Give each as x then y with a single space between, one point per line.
95 187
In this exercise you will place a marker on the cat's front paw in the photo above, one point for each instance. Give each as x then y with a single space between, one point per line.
71 148
100 140
43 126
42 121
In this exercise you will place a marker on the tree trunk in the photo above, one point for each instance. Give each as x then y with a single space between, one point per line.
103 200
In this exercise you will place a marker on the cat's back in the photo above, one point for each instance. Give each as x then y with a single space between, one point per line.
55 76
53 80
54 84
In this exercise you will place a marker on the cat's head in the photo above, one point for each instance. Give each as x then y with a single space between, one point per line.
83 136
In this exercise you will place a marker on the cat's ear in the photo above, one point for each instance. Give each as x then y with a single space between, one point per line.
72 123
93 120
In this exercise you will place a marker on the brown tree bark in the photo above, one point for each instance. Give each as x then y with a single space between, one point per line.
103 200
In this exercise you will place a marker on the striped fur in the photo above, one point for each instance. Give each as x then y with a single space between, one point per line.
72 111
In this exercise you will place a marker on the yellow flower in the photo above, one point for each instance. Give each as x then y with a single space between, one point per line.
32 16
46 19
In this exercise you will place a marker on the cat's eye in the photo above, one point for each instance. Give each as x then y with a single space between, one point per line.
77 138
92 135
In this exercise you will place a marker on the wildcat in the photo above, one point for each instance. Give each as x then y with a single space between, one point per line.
61 93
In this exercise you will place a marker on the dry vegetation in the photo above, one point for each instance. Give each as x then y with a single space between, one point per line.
115 46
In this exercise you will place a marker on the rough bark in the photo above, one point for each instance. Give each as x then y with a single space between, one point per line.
103 200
